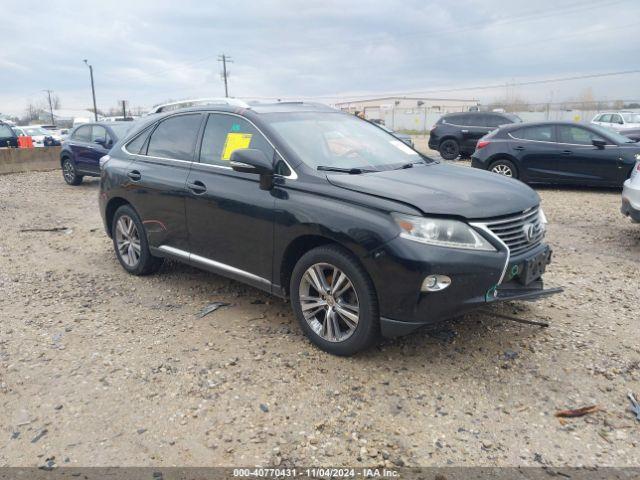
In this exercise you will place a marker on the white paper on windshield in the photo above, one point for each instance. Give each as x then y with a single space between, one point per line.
402 146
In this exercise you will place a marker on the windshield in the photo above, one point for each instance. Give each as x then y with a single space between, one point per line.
631 117
31 131
341 141
120 129
612 134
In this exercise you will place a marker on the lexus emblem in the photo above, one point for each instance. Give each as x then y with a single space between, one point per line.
529 230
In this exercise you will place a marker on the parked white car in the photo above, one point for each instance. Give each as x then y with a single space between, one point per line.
617 120
631 194
36 132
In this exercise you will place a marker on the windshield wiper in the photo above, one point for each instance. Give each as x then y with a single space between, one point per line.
351 171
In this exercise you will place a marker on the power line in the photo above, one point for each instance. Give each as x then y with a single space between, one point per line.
482 87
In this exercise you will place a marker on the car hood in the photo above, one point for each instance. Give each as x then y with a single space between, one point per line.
441 189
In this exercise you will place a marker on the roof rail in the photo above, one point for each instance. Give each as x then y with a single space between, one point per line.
166 107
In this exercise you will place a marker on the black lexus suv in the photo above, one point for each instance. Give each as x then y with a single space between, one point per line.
456 134
363 234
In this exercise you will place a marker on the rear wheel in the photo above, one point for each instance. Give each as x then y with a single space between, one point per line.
334 301
504 167
449 149
130 243
69 173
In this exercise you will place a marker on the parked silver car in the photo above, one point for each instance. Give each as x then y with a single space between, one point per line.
617 120
631 194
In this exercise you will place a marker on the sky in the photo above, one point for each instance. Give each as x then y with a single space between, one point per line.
147 52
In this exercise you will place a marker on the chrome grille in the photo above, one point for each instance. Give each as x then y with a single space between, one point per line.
512 230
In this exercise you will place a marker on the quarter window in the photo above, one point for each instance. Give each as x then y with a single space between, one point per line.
543 133
576 135
135 145
83 134
226 133
175 137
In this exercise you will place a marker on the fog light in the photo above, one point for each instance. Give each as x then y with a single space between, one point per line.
435 283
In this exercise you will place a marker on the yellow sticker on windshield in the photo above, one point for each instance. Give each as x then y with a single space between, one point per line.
235 141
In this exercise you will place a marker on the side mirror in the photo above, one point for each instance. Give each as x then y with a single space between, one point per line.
599 143
250 160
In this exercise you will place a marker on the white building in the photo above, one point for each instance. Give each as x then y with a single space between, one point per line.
375 108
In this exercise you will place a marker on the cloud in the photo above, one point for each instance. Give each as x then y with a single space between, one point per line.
148 51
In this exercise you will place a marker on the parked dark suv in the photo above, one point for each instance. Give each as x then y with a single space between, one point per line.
86 145
8 137
456 134
364 234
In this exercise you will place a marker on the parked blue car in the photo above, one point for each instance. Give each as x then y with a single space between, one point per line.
85 145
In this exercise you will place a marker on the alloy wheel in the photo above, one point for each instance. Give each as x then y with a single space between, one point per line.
329 302
68 171
128 240
502 170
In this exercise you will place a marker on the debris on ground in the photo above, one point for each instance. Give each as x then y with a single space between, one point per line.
578 412
635 406
50 229
212 307
40 434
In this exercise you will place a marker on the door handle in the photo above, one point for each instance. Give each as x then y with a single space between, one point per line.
197 187
134 175
519 148
567 152
464 131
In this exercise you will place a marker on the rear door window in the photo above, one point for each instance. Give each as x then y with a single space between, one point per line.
542 133
226 133
606 118
175 137
461 120
576 135
615 118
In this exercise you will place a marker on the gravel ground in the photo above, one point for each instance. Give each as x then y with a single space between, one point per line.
101 368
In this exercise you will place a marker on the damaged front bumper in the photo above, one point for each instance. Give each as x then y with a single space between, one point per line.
478 279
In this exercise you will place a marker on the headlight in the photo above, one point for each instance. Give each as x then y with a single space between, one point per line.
443 233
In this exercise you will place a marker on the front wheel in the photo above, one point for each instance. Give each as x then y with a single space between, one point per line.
334 301
130 243
504 167
69 173
449 149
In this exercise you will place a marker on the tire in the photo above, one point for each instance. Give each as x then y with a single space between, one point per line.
126 228
341 335
69 173
449 149
504 167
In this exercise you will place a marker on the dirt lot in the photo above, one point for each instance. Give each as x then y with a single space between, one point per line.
101 368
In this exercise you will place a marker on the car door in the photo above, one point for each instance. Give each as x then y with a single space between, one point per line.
230 219
536 151
79 144
94 149
472 127
157 178
583 163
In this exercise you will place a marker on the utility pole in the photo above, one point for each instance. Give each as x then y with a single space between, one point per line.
50 106
93 91
124 109
225 75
